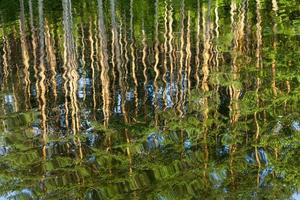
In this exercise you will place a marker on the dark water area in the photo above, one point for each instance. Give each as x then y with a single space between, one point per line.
141 99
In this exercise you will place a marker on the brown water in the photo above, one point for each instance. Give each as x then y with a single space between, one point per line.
110 99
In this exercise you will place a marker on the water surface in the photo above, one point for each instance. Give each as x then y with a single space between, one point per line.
141 99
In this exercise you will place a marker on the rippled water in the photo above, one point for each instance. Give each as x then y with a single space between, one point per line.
140 99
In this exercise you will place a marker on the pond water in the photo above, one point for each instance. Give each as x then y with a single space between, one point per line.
149 99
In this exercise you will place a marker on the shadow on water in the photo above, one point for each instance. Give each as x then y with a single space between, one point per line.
109 99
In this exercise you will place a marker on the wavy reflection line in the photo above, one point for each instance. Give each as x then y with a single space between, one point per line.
51 58
83 62
16 102
126 61
197 55
217 52
16 75
82 59
258 60
120 59
92 53
258 81
5 58
34 40
115 35
241 27
66 88
181 76
123 73
204 84
188 51
165 50
97 63
116 42
66 71
133 58
42 76
113 64
206 51
96 48
145 70
258 35
156 54
238 35
274 29
74 81
104 66
25 54
144 56
171 48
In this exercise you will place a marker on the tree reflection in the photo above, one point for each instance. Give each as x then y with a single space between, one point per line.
141 99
